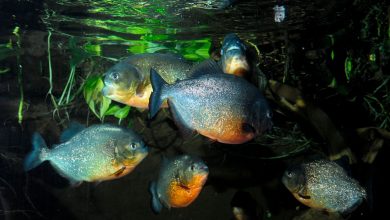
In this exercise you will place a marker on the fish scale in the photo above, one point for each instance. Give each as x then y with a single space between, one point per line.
97 153
325 185
216 105
177 184
131 84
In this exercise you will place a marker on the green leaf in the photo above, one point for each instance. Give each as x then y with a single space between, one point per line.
348 67
112 110
93 49
122 113
93 96
4 71
332 55
118 112
333 84
104 105
372 57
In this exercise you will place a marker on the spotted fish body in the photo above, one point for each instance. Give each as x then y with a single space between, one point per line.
180 181
233 56
223 107
97 153
324 185
128 81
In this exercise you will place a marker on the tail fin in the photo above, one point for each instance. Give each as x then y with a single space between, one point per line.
156 204
155 101
34 158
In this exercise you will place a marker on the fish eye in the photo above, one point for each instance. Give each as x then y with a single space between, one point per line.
192 167
269 114
289 174
115 76
133 146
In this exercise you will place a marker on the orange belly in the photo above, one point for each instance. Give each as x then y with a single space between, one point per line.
142 101
182 196
228 131
236 67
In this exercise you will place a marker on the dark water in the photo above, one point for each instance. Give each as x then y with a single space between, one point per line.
49 48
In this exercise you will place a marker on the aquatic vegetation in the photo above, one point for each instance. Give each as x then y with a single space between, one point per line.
333 70
100 105
20 76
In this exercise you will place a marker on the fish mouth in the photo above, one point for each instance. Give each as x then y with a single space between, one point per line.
145 149
106 91
235 63
204 168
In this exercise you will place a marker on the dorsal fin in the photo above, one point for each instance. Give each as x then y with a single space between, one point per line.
205 67
72 130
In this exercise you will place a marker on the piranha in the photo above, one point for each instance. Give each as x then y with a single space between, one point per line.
222 107
323 184
94 154
233 56
128 81
180 181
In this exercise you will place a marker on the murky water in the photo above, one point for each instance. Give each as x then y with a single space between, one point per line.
52 52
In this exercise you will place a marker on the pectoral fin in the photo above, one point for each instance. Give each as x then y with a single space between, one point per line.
119 172
305 197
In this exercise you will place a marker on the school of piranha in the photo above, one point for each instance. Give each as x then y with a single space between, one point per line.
211 98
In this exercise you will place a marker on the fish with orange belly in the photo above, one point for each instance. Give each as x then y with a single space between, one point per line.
233 56
180 181
324 185
128 81
94 154
222 107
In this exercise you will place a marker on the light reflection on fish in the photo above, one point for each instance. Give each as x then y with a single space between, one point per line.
324 185
97 153
180 181
223 107
128 81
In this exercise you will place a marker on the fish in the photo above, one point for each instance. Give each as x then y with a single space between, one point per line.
323 184
98 153
128 81
223 107
179 182
233 56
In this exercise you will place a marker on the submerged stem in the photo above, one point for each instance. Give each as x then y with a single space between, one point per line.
53 99
20 77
